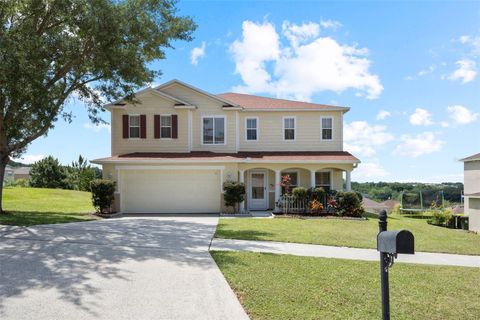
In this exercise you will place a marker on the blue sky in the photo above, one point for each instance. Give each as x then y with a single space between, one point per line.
409 71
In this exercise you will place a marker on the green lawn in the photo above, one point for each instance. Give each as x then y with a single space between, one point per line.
289 287
29 206
360 234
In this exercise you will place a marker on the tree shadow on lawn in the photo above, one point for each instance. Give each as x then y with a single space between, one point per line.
29 218
73 258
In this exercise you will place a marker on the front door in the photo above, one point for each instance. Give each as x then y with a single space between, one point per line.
258 195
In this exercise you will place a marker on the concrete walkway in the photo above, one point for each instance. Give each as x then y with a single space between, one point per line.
312 250
127 268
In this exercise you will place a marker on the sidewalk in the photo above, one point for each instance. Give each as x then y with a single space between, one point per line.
312 250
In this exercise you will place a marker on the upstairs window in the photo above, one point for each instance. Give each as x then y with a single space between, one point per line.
251 127
134 126
165 126
289 128
213 130
327 128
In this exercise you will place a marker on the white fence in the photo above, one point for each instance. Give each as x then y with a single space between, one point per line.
289 204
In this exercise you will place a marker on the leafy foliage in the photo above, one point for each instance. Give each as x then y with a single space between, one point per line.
381 191
81 174
103 194
48 173
21 183
300 193
349 204
98 49
234 193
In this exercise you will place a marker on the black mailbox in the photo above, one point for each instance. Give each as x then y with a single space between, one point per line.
394 242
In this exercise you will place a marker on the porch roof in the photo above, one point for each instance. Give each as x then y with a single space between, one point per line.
240 157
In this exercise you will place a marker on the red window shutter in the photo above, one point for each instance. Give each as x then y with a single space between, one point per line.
156 123
174 126
143 126
125 126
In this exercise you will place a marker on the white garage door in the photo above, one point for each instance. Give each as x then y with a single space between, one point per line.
170 191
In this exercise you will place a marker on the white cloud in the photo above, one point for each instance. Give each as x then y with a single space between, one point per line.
461 115
307 65
97 127
30 158
423 72
330 24
466 71
369 171
416 146
197 53
363 139
421 117
383 114
472 41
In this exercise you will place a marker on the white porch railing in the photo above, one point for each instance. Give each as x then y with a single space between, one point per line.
289 204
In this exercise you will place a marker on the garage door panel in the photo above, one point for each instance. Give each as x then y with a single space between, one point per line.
171 191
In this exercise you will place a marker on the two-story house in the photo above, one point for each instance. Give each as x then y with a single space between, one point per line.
472 191
172 152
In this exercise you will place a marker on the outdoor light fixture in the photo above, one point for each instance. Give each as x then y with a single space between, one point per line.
389 244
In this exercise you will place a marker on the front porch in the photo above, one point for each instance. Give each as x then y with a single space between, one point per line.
263 183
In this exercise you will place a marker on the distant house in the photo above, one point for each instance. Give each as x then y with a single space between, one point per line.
21 173
15 173
8 173
472 190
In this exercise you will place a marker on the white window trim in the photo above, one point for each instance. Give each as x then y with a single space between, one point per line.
331 176
225 130
321 129
171 126
139 126
294 128
283 172
257 129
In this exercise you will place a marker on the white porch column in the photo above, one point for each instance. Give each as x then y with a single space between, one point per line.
278 188
312 179
348 180
242 180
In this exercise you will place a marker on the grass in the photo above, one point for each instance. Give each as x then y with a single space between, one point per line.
29 206
290 287
349 233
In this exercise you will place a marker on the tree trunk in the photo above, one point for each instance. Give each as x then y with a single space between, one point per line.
3 165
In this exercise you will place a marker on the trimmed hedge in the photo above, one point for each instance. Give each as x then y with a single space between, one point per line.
103 194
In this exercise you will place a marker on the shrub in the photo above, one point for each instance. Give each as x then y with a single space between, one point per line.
317 194
316 207
103 194
48 173
286 183
349 204
234 193
440 217
21 183
300 193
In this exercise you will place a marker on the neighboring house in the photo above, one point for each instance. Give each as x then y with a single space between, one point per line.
472 191
8 173
21 173
172 152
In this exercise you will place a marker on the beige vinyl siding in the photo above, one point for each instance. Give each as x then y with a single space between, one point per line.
472 177
206 107
307 133
150 106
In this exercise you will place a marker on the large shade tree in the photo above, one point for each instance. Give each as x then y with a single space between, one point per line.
96 49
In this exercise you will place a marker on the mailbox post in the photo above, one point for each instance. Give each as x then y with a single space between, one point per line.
389 244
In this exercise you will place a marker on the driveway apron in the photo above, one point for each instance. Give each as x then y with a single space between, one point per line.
139 267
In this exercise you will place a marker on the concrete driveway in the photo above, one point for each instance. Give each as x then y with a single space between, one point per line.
127 268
